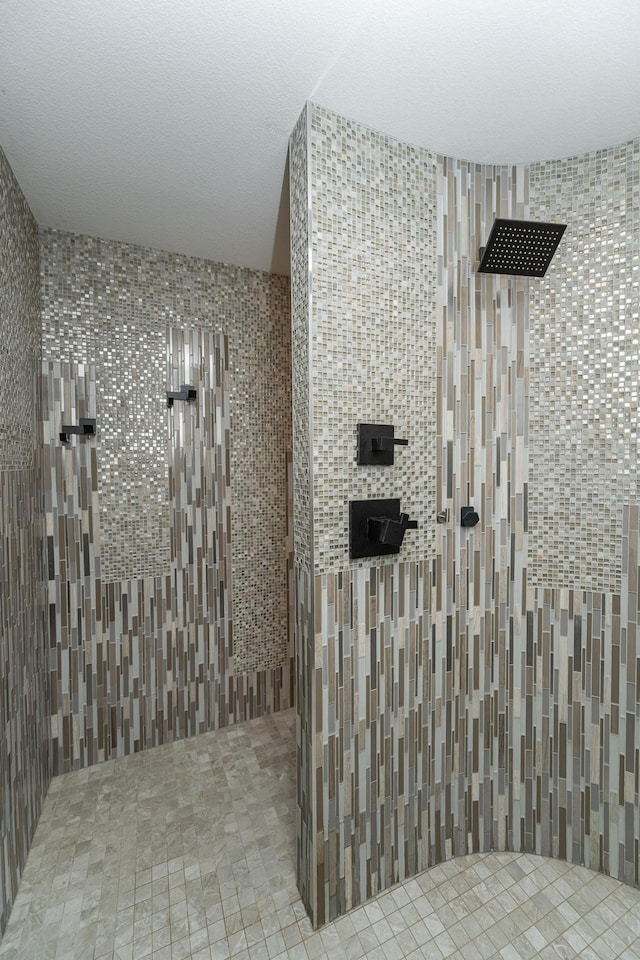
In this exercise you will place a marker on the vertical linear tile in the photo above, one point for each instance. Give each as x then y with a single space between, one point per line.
25 763
373 325
147 660
482 442
73 531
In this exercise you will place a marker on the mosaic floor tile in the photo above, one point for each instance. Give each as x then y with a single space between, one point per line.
188 851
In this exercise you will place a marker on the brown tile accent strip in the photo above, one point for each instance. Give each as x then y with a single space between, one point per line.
480 571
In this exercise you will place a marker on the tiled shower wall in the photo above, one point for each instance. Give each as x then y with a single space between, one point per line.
576 729
302 501
459 703
480 574
24 689
373 329
372 306
585 371
168 533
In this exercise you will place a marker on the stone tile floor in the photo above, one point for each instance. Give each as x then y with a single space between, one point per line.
188 851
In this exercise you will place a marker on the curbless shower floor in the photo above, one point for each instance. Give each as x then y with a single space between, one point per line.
188 851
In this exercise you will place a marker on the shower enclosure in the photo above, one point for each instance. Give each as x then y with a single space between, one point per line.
478 691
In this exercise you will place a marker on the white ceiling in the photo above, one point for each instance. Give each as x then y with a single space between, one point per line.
166 122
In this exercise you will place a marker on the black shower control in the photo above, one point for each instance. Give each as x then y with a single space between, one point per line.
86 428
376 442
469 517
377 528
391 530
186 392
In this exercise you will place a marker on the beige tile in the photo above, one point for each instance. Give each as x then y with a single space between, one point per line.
409 919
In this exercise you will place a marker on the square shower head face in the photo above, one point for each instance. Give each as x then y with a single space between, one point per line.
521 248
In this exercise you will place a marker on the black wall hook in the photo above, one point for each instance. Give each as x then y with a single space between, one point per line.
186 392
86 428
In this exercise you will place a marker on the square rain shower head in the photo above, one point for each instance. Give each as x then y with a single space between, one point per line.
521 248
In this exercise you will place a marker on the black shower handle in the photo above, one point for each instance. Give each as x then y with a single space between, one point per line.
391 531
387 443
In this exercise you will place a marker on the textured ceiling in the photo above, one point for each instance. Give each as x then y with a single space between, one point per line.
166 123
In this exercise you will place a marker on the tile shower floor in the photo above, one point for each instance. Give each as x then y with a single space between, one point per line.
188 851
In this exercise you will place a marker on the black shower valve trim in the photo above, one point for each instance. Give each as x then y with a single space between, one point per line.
376 444
377 528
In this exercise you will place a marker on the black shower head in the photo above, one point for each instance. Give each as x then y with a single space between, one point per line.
521 248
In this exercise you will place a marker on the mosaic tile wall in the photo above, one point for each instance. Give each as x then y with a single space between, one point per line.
24 747
574 750
98 298
373 338
150 660
375 702
346 203
89 289
454 706
397 667
20 334
299 191
585 371
412 655
132 464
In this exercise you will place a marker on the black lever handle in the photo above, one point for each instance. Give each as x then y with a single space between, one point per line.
376 444
391 531
387 443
